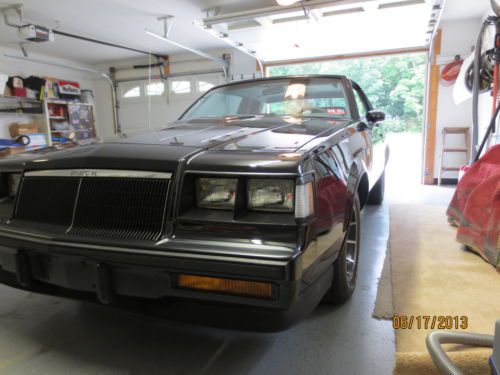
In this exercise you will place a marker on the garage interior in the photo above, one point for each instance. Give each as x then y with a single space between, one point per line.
112 69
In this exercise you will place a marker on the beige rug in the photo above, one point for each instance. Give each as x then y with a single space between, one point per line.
431 274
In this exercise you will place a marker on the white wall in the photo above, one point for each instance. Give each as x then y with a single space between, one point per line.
24 69
457 37
134 113
485 99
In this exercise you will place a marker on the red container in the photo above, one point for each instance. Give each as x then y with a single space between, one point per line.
16 91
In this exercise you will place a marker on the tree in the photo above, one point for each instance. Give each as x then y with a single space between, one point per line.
394 84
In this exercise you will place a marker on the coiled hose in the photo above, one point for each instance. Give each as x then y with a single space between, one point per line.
441 360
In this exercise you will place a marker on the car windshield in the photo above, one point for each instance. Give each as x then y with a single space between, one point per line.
300 97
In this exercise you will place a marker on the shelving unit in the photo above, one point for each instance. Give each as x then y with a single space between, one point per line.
25 110
79 117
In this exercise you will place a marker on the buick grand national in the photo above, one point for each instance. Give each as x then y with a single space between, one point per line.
244 213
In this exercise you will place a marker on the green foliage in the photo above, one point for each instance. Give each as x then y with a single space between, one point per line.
394 84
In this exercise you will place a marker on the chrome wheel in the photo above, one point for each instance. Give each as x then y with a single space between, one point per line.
352 246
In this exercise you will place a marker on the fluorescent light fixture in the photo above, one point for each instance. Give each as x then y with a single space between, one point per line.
289 19
343 11
398 4
217 60
287 2
225 38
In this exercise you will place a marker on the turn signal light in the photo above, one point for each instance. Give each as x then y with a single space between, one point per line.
226 286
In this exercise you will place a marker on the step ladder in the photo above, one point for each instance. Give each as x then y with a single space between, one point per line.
446 131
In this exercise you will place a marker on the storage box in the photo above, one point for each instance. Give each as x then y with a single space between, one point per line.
7 151
18 91
37 140
3 82
69 89
22 129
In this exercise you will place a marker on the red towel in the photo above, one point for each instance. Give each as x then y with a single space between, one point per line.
475 207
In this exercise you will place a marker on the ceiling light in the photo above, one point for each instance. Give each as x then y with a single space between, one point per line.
287 2
343 11
401 4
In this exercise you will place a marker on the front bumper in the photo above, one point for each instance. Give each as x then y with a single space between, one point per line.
146 283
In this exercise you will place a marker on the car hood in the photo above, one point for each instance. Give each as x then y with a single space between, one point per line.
244 133
256 138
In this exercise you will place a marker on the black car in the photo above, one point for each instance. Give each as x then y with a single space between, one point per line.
244 213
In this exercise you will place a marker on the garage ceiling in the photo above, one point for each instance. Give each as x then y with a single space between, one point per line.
342 27
330 27
118 21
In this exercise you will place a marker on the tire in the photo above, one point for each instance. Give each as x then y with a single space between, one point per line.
376 195
345 268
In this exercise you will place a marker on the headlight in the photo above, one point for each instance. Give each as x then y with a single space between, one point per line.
218 193
271 195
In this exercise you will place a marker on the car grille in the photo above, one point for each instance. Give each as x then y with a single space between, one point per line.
105 207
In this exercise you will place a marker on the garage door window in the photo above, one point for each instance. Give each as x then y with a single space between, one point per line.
206 84
181 87
131 91
155 89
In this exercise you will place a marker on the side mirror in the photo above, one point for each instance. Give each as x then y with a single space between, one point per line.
375 116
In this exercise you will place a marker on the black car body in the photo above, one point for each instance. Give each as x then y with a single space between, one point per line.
238 220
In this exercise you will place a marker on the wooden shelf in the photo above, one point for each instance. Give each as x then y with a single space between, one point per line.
66 102
21 114
69 131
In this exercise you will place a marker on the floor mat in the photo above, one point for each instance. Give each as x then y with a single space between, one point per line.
433 275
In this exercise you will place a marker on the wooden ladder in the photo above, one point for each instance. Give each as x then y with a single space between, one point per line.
459 130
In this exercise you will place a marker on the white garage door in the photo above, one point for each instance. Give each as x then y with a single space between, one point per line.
160 102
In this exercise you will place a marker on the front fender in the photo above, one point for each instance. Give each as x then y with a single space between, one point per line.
357 180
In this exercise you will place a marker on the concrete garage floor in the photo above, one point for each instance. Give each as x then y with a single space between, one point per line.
46 335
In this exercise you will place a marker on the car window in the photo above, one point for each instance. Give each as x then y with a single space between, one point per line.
360 104
318 106
218 105
299 97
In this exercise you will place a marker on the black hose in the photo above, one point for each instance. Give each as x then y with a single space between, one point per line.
475 92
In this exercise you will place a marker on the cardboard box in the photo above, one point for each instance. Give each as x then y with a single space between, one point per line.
22 129
8 151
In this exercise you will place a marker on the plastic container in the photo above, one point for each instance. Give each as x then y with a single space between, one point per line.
3 82
87 96
495 357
